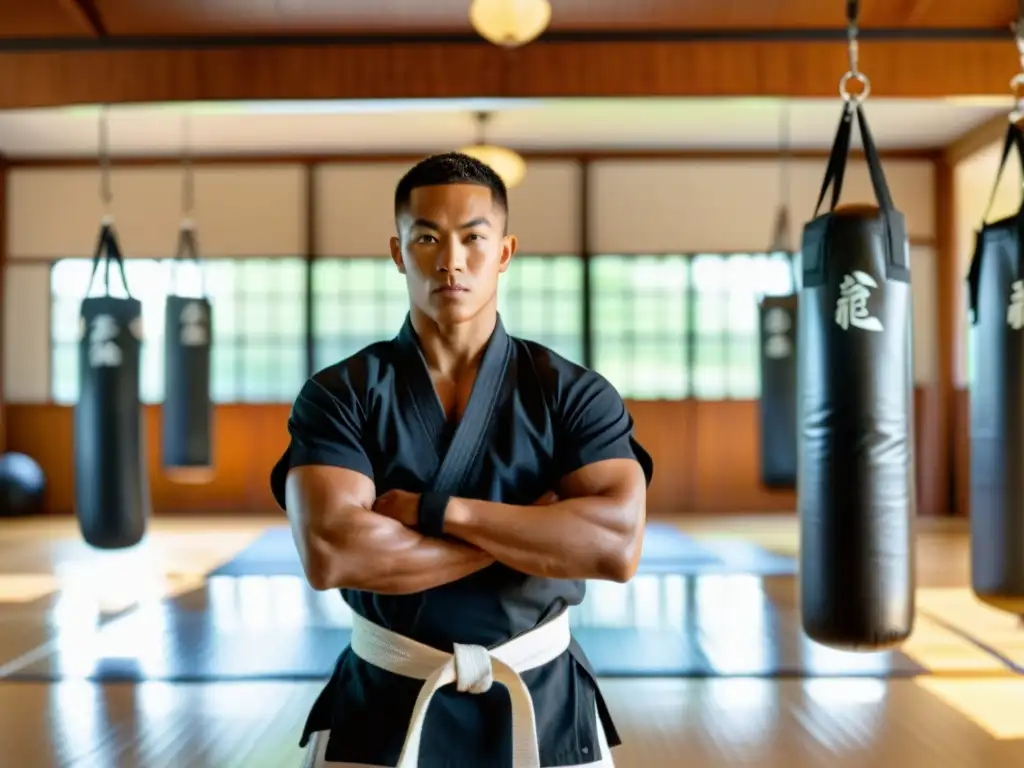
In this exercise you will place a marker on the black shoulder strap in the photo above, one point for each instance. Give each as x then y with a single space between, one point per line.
107 249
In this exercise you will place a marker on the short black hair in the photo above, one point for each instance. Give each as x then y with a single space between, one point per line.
449 168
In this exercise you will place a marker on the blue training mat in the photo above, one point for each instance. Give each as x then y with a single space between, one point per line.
667 550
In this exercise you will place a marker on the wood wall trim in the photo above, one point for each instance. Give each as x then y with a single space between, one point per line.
3 296
950 291
563 155
917 69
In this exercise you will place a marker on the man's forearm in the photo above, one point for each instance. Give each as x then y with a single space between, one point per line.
595 537
370 552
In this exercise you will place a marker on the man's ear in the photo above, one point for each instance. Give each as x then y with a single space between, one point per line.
396 254
509 245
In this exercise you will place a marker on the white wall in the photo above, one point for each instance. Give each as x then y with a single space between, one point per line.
635 207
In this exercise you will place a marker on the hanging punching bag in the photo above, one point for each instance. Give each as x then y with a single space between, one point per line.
187 411
111 484
778 315
996 289
857 497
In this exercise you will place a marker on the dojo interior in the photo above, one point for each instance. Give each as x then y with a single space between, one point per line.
661 141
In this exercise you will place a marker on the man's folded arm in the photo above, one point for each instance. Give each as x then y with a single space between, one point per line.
324 483
344 544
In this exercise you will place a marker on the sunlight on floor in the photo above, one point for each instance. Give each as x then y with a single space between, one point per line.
997 706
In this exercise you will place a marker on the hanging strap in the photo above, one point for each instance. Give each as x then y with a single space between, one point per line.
1014 138
188 250
108 249
836 170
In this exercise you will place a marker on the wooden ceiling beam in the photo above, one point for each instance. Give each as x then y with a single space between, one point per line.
86 15
898 69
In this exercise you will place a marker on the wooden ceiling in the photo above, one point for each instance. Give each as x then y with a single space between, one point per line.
99 18
59 52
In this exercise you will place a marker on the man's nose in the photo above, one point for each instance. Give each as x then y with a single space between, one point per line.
452 257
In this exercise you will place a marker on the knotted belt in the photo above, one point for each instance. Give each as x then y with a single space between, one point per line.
473 669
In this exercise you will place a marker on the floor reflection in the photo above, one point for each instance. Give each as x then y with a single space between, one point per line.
276 627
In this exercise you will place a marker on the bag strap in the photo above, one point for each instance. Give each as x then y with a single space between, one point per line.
188 250
1014 138
838 157
107 248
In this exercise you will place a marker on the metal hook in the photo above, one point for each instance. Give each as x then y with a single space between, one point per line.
854 72
1016 84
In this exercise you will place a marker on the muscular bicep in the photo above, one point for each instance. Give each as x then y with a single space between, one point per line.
317 495
323 507
618 479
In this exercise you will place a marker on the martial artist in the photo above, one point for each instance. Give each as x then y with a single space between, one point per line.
459 486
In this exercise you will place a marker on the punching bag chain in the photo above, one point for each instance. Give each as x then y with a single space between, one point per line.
104 152
853 73
188 184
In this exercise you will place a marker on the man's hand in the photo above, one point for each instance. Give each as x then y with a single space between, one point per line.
399 505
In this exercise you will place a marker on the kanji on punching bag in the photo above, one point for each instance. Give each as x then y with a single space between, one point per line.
856 483
111 485
996 287
187 414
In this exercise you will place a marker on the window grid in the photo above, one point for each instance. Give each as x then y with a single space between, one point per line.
259 332
673 326
665 326
363 300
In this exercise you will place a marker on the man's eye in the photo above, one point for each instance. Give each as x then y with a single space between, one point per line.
426 239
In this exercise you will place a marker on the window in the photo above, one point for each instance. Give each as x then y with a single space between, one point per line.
359 301
541 299
356 302
640 321
675 326
726 291
258 323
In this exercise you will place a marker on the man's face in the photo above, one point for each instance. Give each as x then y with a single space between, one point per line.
451 247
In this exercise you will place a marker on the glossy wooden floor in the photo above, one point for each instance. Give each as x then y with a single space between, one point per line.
965 710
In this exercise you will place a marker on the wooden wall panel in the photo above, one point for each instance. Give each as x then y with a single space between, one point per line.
3 296
934 68
962 452
248 439
700 465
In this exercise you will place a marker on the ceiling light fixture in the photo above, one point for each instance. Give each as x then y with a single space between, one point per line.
510 23
507 163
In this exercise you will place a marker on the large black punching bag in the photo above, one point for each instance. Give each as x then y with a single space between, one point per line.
111 484
187 411
996 287
856 488
778 315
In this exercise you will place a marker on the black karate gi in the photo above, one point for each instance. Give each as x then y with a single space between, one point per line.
532 418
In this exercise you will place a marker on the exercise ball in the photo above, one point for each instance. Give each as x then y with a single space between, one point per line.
22 484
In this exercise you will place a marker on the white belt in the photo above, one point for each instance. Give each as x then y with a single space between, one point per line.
473 669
